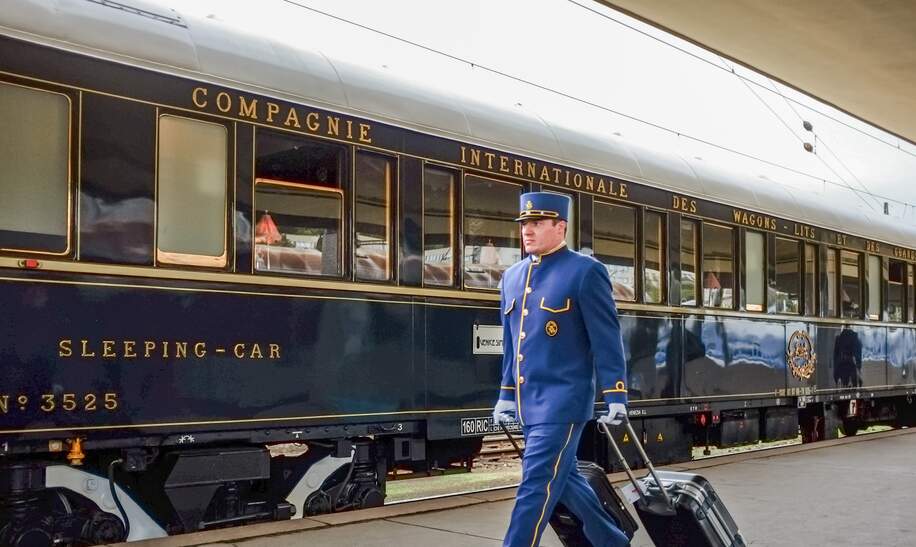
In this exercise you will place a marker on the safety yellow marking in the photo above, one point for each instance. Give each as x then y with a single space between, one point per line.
659 438
626 438
556 466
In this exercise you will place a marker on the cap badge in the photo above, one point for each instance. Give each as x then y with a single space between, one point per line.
529 205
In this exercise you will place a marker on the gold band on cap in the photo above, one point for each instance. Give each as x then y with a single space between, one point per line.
537 213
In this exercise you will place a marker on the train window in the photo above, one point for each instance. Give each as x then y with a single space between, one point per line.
810 279
298 206
788 276
615 246
896 290
874 286
718 266
438 226
491 234
191 192
911 290
689 244
850 284
374 174
571 222
832 274
755 268
298 228
654 269
34 170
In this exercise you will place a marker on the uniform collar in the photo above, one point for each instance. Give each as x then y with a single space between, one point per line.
537 258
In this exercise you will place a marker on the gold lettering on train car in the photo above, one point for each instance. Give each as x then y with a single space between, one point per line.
247 109
196 97
239 350
129 352
4 403
519 170
681 203
872 247
181 350
274 351
272 109
223 102
600 186
108 349
589 182
256 352
292 119
334 126
311 121
86 352
200 349
489 156
804 230
556 175
364 133
475 157
64 349
624 192
841 239
577 180
350 129
545 174
503 164
532 169
148 347
908 254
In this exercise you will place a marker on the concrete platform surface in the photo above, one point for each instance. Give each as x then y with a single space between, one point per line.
854 491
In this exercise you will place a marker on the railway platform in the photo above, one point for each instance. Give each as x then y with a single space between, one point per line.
849 491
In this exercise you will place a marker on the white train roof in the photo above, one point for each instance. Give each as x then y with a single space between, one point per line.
330 63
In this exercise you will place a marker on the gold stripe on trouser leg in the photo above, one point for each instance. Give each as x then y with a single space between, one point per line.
556 466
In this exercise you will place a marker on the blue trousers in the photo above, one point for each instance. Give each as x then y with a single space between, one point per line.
549 476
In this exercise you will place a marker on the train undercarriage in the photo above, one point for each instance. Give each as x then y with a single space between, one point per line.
108 495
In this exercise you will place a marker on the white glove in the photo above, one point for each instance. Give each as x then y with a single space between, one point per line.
615 413
504 412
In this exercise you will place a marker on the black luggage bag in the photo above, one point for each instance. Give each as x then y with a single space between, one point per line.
567 526
679 508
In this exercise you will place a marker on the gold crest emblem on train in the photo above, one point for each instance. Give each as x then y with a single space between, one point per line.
800 355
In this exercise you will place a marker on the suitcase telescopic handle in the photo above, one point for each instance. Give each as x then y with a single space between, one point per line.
642 452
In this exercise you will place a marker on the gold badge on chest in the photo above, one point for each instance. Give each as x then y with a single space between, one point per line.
551 328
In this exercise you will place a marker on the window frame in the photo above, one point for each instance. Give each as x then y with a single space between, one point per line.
637 244
392 213
341 225
171 259
455 196
697 257
702 259
462 235
763 306
799 272
72 158
664 265
815 276
860 273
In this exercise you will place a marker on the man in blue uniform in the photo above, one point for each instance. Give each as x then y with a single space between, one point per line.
560 328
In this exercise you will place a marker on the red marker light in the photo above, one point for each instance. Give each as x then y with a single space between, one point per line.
30 264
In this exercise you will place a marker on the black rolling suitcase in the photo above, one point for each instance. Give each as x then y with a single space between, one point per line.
567 526
678 509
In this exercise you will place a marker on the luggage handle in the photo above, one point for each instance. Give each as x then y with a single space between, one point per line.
512 440
669 504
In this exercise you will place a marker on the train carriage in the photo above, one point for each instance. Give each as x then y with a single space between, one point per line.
212 242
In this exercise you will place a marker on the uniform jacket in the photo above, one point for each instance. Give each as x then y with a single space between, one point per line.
560 328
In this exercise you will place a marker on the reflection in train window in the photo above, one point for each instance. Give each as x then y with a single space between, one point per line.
810 279
832 276
615 246
896 290
755 270
654 269
297 228
689 244
438 226
911 291
850 284
34 170
191 192
787 282
491 234
374 174
718 266
874 286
